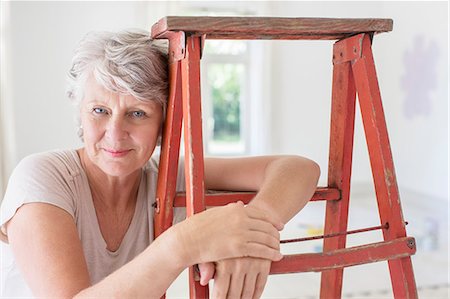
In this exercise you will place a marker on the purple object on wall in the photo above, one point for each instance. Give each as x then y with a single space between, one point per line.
419 80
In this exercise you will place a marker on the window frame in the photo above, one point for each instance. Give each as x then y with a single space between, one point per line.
255 112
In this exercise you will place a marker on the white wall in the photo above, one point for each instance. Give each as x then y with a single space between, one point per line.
41 41
302 87
420 143
43 35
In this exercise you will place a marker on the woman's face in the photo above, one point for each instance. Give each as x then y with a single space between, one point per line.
119 131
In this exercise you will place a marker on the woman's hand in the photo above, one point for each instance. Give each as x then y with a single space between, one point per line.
228 232
237 277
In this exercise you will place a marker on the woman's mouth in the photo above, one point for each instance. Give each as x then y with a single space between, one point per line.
116 153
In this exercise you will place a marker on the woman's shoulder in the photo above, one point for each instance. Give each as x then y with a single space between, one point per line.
46 177
65 162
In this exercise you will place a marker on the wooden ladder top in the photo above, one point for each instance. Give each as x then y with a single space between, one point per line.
270 27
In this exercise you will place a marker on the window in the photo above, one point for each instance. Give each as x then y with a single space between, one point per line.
224 97
234 76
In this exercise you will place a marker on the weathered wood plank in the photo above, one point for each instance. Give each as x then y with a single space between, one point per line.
221 198
270 27
353 256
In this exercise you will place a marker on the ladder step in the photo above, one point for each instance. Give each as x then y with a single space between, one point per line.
221 198
269 27
353 256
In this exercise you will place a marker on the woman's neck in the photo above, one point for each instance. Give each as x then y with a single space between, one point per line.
111 192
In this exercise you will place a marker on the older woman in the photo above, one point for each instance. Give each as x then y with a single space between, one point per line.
79 222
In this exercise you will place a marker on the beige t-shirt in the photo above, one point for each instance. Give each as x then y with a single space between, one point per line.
57 178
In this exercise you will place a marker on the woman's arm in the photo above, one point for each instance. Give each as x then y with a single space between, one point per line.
284 184
48 251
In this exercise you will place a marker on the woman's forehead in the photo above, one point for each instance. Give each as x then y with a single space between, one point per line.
96 92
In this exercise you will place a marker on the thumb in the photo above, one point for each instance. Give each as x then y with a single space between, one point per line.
207 271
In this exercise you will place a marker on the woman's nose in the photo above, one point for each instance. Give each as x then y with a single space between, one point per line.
117 129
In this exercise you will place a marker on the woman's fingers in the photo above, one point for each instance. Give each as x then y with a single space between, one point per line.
261 251
236 284
264 227
221 285
228 232
260 284
206 272
262 215
256 213
263 239
243 277
248 288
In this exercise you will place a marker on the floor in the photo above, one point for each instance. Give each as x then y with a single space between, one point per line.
428 223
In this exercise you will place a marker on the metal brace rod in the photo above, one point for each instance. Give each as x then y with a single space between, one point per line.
385 226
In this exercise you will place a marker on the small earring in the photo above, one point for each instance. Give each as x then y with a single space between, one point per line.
80 131
159 140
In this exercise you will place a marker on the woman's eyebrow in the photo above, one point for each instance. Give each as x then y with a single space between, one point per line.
97 98
96 102
144 106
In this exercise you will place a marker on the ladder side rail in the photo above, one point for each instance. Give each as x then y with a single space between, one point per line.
193 144
339 168
170 148
402 276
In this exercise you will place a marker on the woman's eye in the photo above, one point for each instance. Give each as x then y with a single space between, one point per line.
138 114
99 110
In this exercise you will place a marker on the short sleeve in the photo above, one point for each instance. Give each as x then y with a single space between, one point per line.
40 178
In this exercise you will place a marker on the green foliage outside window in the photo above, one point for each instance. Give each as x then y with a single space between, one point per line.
225 81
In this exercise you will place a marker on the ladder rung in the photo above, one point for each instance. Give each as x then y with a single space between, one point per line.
221 198
353 256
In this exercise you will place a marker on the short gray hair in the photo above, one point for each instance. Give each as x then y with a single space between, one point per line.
127 62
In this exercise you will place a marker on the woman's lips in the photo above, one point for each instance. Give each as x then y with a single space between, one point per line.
117 153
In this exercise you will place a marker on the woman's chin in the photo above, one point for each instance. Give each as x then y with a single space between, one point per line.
117 169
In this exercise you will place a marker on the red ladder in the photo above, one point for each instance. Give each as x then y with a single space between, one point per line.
353 73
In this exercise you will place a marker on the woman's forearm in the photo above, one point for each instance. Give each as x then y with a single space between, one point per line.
288 184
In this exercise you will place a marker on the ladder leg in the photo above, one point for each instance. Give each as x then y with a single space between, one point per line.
383 172
339 170
193 143
170 148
